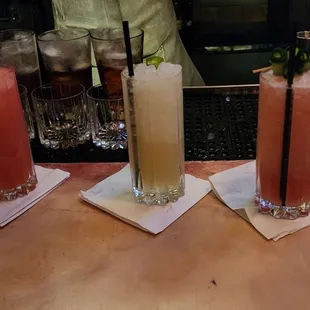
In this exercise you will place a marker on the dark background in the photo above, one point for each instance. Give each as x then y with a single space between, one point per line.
227 39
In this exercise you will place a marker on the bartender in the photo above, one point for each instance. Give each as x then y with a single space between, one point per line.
156 18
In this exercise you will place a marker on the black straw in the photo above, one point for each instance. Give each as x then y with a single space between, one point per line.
131 103
128 48
288 120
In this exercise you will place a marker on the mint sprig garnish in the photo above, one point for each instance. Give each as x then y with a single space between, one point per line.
279 61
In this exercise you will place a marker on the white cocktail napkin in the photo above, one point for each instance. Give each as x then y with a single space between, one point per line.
48 180
236 188
114 195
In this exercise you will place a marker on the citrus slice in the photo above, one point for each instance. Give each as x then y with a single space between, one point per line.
154 60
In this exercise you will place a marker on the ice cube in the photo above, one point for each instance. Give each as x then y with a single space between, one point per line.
26 48
114 60
80 60
51 51
115 55
58 66
142 71
80 65
143 68
101 49
169 68
140 68
150 69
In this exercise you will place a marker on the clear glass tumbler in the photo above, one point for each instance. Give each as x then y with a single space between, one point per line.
62 115
154 118
272 99
27 111
110 53
18 48
17 174
107 119
67 56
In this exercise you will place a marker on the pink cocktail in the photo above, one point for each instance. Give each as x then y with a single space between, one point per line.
17 175
271 117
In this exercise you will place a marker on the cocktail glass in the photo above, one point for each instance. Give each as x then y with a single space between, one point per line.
17 174
110 53
154 117
272 99
62 115
107 118
67 56
18 48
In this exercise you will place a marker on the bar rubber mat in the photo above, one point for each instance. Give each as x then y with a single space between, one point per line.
219 124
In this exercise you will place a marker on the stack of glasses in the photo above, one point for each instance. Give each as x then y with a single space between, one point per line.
70 110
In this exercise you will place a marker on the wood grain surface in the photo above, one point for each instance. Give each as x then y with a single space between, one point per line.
64 254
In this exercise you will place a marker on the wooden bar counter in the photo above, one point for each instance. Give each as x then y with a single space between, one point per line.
64 254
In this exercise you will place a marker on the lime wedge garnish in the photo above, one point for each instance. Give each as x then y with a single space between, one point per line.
155 61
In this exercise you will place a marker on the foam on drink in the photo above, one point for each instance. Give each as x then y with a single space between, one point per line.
300 81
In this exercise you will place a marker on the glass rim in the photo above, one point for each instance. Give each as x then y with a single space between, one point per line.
28 31
41 35
101 99
304 35
55 99
118 39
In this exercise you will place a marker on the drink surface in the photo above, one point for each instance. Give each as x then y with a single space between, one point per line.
16 166
82 76
155 133
270 135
